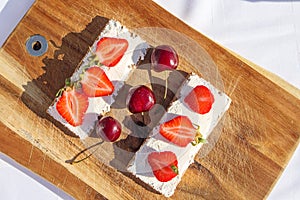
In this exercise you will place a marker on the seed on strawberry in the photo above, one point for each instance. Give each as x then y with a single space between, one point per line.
72 106
95 83
111 50
164 165
200 99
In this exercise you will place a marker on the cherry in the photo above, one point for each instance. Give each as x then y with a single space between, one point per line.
140 99
164 58
109 129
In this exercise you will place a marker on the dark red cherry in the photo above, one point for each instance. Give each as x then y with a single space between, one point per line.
140 99
109 129
164 58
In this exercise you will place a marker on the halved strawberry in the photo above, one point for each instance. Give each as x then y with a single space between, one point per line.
110 50
179 131
164 165
72 106
95 83
200 99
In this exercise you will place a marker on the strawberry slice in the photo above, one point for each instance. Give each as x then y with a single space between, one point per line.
111 50
200 99
179 131
72 106
95 83
164 165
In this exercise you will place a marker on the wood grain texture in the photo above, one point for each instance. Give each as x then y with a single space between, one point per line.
259 134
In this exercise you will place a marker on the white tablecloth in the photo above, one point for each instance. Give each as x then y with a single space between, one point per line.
266 32
17 182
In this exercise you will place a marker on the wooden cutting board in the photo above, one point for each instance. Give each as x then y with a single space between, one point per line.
260 131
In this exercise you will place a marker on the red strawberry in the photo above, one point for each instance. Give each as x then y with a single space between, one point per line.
164 165
72 106
179 131
111 50
95 83
200 99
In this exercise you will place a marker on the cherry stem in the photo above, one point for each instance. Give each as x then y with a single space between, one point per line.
143 116
166 85
73 160
150 75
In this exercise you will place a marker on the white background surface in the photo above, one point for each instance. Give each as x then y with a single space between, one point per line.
266 32
2 4
18 183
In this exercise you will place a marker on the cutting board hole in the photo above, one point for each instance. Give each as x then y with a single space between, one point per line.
36 45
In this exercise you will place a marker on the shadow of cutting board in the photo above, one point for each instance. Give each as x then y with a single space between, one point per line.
260 132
